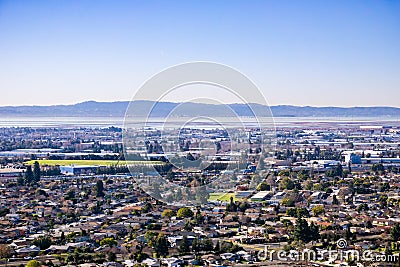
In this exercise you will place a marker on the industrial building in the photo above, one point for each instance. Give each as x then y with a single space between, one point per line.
78 170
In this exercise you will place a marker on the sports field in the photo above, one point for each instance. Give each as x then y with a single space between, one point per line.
225 197
50 162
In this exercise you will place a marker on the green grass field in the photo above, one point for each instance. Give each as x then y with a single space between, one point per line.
50 162
225 197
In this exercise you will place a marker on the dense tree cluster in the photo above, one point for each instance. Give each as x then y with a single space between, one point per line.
305 232
185 212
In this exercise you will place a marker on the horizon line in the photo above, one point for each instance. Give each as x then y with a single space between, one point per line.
233 103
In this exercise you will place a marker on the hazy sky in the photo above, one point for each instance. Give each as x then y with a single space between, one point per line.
337 53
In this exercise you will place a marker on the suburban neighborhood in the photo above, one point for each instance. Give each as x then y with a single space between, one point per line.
67 198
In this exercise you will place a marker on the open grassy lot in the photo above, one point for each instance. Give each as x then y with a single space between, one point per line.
225 197
50 162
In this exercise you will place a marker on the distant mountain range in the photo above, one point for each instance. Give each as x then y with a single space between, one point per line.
117 109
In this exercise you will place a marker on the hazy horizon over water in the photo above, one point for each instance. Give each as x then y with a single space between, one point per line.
67 122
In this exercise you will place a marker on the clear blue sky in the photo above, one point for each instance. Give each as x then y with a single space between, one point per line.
337 53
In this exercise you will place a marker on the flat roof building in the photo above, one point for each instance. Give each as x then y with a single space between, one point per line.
78 170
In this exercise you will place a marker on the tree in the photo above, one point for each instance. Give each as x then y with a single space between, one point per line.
42 242
184 246
70 195
99 188
69 258
207 244
228 246
77 257
335 201
33 263
291 212
377 167
303 175
317 210
297 212
161 246
313 232
383 200
217 248
198 218
284 173
232 207
140 256
263 187
188 226
28 175
287 183
348 235
288 201
168 213
146 208
111 256
384 187
368 224
395 232
196 245
36 172
300 230
339 170
336 171
108 241
5 251
150 237
185 212
243 206
154 226
304 232
362 207
20 180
